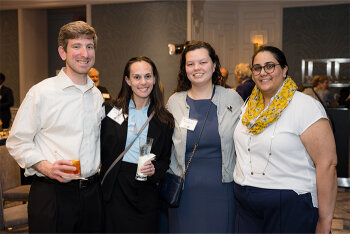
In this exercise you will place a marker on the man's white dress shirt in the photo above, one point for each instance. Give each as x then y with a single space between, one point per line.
58 120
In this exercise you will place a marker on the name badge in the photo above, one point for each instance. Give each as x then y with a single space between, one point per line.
117 115
189 124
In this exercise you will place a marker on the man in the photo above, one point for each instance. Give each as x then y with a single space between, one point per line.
58 121
223 78
244 77
94 75
6 101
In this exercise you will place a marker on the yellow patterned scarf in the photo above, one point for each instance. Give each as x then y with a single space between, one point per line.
256 117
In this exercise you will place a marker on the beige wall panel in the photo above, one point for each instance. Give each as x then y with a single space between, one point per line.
220 30
33 63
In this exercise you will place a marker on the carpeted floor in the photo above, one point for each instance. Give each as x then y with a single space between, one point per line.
341 220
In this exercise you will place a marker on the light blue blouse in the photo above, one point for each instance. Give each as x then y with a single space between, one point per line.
136 119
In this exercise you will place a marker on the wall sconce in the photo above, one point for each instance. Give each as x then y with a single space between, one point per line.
258 38
176 48
258 41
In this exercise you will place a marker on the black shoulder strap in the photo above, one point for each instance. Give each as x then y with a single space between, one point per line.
127 148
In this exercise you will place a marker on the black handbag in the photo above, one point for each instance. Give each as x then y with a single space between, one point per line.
171 189
172 185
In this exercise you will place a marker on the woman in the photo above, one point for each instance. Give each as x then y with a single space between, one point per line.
207 199
320 91
243 75
131 205
286 155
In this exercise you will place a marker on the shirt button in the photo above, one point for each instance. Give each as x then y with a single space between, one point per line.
249 149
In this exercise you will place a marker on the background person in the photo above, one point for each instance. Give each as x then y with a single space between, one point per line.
320 91
6 101
243 75
132 205
59 120
223 78
285 174
207 203
94 75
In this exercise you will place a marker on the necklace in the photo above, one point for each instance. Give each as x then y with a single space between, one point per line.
268 157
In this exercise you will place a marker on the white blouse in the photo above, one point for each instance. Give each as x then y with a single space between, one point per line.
289 165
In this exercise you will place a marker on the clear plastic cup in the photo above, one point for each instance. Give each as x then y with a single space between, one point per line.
145 144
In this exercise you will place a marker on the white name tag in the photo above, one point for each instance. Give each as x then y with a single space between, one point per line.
189 124
117 115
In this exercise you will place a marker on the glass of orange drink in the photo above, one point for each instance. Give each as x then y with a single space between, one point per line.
76 164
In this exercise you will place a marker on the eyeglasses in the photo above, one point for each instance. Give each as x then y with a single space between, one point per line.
268 68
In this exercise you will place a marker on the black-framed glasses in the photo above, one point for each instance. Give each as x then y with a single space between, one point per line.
269 68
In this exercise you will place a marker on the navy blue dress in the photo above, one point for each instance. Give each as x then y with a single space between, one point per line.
207 204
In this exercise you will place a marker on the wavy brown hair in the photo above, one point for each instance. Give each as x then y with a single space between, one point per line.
156 96
74 30
183 83
319 79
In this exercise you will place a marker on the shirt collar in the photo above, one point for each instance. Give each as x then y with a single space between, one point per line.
64 81
132 106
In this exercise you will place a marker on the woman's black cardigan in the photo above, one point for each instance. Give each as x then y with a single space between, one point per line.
113 143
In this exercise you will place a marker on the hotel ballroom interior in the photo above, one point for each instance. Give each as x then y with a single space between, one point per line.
314 35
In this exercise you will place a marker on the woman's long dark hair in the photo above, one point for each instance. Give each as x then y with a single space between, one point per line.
156 96
183 83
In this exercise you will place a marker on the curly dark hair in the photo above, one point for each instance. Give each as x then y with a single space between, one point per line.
156 96
183 83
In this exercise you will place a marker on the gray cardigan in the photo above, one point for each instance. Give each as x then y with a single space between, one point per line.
228 104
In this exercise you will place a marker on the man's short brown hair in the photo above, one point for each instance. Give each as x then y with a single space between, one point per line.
74 30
